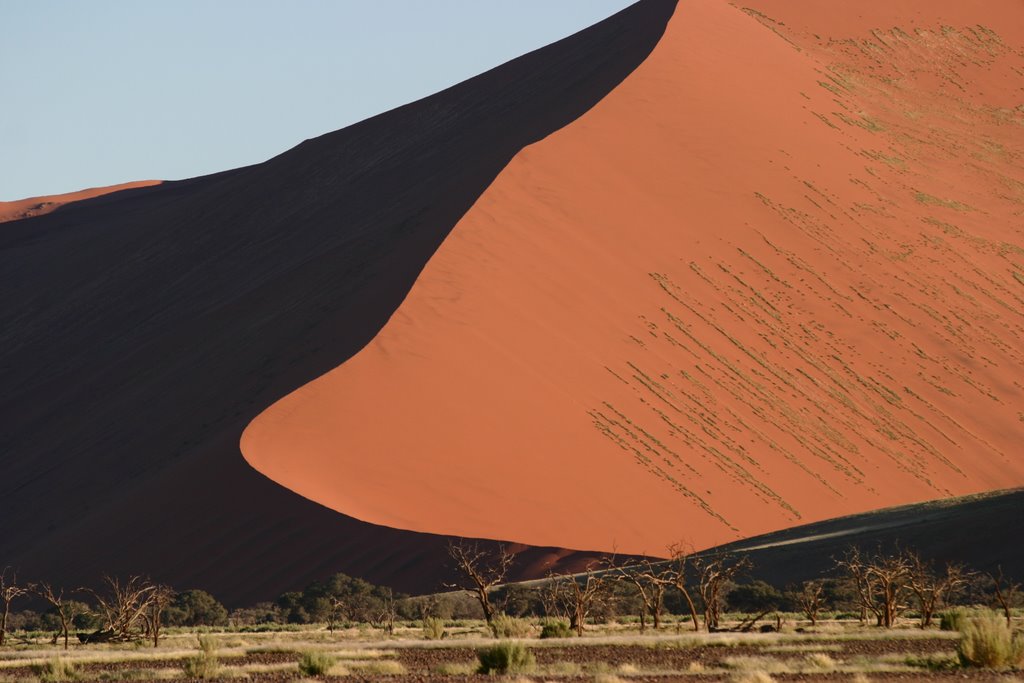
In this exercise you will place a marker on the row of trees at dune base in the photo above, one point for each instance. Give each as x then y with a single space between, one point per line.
875 586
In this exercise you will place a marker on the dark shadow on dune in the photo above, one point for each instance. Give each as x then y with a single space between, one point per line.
980 531
141 331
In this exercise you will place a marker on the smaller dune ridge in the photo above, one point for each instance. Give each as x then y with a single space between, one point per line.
38 206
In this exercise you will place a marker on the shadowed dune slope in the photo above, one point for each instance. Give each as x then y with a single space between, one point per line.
975 530
776 276
141 332
37 206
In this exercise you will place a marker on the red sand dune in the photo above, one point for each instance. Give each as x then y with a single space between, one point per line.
37 206
141 332
776 276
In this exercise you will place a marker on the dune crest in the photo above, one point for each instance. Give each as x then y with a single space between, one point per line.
775 276
38 206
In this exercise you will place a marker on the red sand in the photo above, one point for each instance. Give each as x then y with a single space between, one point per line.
775 277
37 206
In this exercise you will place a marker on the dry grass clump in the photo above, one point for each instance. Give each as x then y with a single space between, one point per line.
205 664
457 668
986 641
505 626
755 664
506 658
563 669
556 629
55 670
316 663
820 660
433 628
752 677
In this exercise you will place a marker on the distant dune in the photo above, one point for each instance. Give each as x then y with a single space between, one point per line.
775 276
37 206
973 530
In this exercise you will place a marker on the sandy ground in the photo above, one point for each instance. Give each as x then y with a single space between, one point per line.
775 276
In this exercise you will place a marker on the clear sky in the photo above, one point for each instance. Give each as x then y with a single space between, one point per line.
106 91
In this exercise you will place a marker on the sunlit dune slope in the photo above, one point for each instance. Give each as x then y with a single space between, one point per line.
776 276
37 206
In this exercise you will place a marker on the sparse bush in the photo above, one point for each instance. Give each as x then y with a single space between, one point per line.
986 641
505 626
556 629
204 665
433 628
953 619
505 658
55 670
315 663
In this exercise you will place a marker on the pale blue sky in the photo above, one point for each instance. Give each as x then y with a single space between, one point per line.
106 91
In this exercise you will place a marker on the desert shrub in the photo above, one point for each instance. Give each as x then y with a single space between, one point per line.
953 619
315 663
505 658
433 628
986 641
55 670
204 665
556 629
505 626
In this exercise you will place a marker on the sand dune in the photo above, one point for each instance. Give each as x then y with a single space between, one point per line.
141 332
37 206
775 276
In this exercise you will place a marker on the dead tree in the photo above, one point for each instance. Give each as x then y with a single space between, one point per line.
159 599
575 597
881 580
385 618
334 612
931 589
63 608
650 581
482 571
9 592
678 574
1005 592
715 575
124 605
811 600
